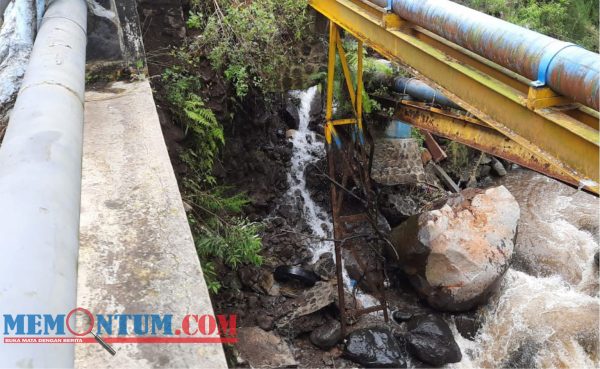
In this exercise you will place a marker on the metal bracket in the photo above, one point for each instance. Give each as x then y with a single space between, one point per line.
388 8
545 63
540 97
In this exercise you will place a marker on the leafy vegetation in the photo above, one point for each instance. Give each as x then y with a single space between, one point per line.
371 67
194 21
221 234
417 135
570 20
250 41
190 111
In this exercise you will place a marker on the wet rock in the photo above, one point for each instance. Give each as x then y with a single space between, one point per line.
498 167
398 203
430 339
311 300
398 207
523 357
484 171
265 321
291 115
325 266
402 316
455 256
467 325
259 280
374 348
262 349
290 133
304 324
327 335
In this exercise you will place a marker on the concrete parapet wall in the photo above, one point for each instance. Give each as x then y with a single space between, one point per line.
137 255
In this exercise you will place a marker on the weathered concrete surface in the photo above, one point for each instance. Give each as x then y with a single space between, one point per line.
136 253
397 161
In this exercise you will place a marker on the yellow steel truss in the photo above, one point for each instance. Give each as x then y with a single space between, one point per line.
564 139
335 44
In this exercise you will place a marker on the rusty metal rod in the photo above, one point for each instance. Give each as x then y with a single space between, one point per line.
568 69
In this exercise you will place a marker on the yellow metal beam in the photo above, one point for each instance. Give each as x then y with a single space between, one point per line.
335 43
567 139
345 69
329 130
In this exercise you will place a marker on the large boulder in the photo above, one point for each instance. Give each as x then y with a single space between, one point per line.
430 339
456 255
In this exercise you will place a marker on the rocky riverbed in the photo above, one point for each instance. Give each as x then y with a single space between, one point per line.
519 313
539 302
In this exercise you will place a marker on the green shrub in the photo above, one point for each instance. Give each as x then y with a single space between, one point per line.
220 233
198 121
251 41
194 20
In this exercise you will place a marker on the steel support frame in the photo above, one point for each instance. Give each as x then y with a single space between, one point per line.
347 170
567 137
476 134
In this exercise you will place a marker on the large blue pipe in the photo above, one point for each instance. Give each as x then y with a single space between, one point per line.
568 69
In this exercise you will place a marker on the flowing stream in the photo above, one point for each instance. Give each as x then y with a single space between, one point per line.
308 150
546 313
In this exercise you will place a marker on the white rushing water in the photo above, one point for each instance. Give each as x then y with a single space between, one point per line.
308 149
547 311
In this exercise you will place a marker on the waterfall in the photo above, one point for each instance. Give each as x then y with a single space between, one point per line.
308 150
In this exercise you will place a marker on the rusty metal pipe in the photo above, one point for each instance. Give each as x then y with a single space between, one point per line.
568 69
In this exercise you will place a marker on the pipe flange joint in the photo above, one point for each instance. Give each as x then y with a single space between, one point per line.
545 61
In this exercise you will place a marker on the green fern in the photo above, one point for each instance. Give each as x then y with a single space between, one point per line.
198 121
220 234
